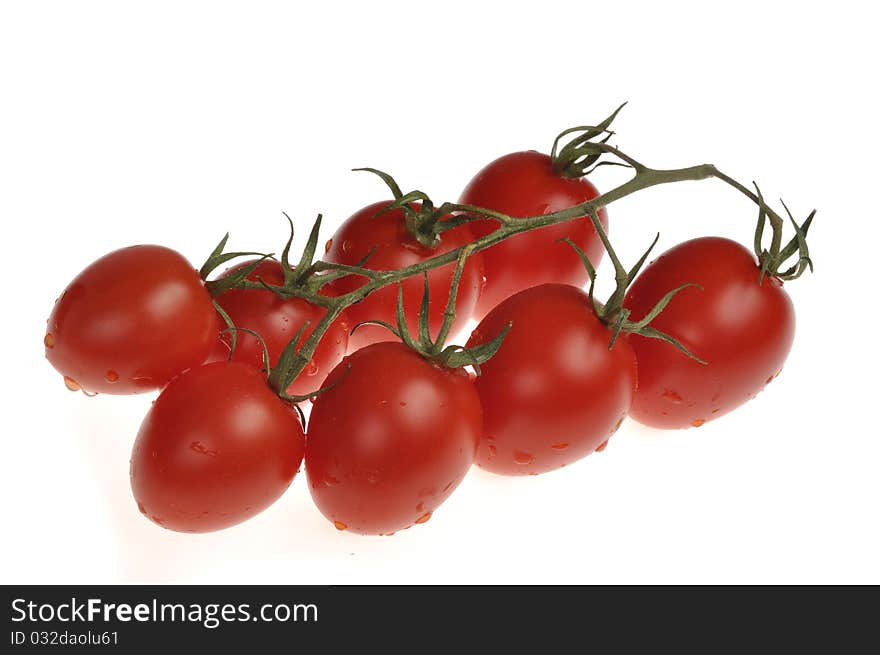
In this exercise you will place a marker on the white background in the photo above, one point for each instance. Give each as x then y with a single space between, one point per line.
174 122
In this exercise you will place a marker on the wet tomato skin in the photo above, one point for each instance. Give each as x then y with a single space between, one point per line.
216 448
131 321
554 392
524 184
395 248
277 321
743 329
391 441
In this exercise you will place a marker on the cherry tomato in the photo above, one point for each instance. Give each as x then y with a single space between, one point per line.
277 321
396 248
742 328
216 448
391 441
554 392
130 322
524 184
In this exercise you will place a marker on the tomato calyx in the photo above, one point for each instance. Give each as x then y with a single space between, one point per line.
580 155
422 220
436 350
612 313
218 258
305 280
771 260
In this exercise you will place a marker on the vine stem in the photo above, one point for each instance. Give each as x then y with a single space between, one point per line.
643 178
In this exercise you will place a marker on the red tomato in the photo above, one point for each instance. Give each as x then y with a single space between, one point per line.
391 441
396 248
130 322
524 184
216 448
277 321
554 392
743 329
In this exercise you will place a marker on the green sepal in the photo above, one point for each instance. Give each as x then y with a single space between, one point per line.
280 377
218 258
220 285
653 333
267 364
579 156
458 356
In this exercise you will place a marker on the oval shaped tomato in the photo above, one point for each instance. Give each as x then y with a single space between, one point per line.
554 392
217 447
742 328
391 441
524 184
396 248
130 322
277 321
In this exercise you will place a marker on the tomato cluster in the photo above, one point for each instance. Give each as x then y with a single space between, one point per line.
397 421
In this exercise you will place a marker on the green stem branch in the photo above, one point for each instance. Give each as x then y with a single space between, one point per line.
643 178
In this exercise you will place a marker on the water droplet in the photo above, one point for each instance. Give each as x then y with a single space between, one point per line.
347 245
403 403
328 245
49 341
559 446
155 454
483 281
716 410
420 507
71 384
716 396
602 446
201 449
476 337
672 397
492 451
339 525
383 403
522 457
618 424
89 394
156 519
697 422
770 379
424 518
112 376
311 368
343 325
446 488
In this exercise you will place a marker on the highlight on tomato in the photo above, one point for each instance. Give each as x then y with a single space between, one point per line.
130 322
395 234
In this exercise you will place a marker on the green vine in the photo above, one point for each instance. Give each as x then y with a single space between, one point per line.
589 146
